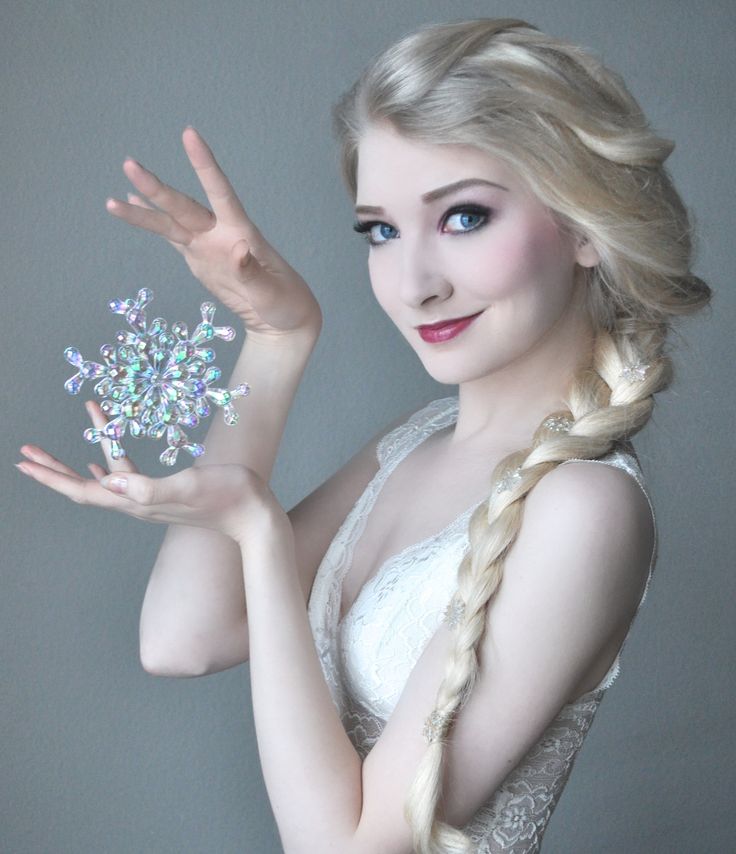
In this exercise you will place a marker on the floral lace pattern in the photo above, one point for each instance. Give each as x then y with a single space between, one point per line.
368 655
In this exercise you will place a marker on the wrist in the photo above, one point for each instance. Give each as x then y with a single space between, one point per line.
302 339
268 535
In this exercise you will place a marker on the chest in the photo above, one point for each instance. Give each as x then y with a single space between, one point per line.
424 494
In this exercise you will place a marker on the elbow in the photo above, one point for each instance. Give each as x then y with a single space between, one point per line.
157 661
170 651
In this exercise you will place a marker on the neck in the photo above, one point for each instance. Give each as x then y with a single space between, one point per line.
507 406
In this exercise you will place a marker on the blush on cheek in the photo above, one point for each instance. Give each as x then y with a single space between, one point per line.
530 255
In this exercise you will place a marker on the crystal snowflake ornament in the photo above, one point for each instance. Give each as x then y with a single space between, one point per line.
154 381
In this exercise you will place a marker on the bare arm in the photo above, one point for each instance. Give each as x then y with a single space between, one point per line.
193 619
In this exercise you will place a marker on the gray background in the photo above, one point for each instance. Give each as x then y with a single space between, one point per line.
96 754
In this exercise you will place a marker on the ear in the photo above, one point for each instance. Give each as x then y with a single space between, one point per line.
585 253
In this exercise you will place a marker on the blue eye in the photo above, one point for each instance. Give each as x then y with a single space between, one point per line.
380 232
460 221
376 233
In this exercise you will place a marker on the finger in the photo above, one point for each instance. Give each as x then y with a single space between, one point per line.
141 203
219 191
97 471
76 488
184 209
159 222
38 455
99 420
151 492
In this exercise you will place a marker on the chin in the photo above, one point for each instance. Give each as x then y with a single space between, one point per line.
449 374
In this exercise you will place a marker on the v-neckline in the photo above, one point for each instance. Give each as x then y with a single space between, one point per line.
391 559
384 474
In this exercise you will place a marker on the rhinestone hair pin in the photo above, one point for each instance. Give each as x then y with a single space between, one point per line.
509 480
558 423
155 381
435 727
454 612
636 372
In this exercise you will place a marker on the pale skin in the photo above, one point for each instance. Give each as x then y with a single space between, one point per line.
572 580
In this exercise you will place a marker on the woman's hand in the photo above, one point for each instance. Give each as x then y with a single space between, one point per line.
222 247
231 499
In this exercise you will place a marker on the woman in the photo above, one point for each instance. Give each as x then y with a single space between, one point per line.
526 240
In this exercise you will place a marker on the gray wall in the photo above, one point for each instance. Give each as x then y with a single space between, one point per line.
96 754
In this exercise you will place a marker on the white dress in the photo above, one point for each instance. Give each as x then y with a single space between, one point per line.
367 656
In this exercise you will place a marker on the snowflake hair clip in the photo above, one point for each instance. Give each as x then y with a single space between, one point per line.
558 423
454 612
636 372
509 480
435 727
155 381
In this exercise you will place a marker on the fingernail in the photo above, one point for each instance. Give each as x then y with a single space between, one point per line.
22 468
115 484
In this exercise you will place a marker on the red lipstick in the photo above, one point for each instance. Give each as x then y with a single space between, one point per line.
435 333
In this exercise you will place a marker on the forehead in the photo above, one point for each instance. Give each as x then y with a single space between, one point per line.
389 163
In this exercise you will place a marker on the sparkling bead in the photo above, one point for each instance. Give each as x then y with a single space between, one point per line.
203 332
231 416
207 354
120 306
219 396
136 317
168 457
73 384
207 310
227 333
73 356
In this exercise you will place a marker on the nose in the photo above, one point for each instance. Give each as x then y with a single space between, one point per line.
422 279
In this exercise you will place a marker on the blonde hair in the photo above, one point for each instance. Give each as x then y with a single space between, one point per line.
571 129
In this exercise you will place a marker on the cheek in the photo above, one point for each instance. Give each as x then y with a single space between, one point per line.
379 274
517 259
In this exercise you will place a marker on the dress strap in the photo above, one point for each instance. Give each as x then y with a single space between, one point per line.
400 441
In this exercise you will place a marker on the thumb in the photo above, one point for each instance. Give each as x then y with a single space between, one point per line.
137 487
246 265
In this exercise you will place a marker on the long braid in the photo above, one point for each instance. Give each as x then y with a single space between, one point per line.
608 403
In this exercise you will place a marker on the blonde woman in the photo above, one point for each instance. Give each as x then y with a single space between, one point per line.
431 631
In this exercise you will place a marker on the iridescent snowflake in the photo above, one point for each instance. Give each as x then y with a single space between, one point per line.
155 381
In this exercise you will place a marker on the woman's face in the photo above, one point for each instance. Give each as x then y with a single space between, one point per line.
455 234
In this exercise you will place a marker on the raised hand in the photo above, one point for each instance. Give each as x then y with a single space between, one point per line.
222 247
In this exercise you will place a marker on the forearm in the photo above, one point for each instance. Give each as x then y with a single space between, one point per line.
193 619
313 773
273 368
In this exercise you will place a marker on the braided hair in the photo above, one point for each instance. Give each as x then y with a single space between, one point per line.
569 127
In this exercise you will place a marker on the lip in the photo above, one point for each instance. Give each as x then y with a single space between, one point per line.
444 330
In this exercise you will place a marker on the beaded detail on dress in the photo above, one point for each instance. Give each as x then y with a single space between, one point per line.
368 655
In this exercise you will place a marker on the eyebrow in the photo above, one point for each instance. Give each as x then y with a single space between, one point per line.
439 193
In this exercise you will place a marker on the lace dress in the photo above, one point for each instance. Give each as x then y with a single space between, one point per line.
368 655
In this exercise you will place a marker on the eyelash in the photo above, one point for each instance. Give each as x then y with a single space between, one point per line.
365 228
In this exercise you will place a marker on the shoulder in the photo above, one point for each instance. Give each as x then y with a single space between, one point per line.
595 505
580 560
